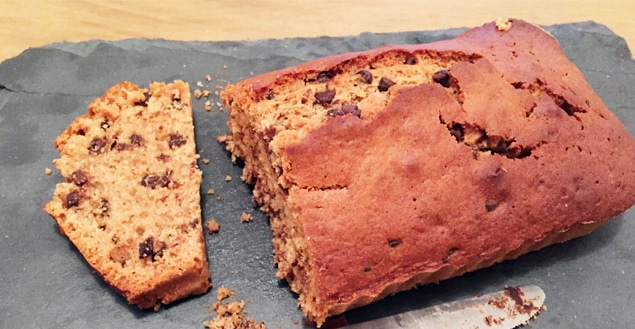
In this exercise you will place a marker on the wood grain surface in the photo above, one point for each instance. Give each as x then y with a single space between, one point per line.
33 23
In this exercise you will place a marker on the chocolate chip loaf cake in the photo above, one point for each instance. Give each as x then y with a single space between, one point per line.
131 201
411 164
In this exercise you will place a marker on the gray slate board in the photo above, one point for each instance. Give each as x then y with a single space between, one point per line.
45 283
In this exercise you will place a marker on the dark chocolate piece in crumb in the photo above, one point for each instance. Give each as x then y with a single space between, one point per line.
352 109
97 145
442 77
335 113
176 140
153 181
325 97
326 76
345 109
136 139
79 178
105 207
73 198
385 84
146 248
121 146
411 60
366 76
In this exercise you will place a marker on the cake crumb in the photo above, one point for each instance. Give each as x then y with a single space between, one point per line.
199 84
228 178
212 226
206 93
198 93
245 217
208 106
231 314
211 191
503 24
205 160
48 171
208 78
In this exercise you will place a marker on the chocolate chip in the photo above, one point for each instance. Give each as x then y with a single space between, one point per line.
73 198
176 140
97 145
352 109
490 205
271 95
136 139
326 76
384 84
392 243
163 157
345 109
411 60
81 132
325 97
105 125
146 248
151 248
194 223
79 178
153 181
144 102
366 76
121 146
105 206
442 77
457 131
335 113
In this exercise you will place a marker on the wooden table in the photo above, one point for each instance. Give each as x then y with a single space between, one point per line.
33 23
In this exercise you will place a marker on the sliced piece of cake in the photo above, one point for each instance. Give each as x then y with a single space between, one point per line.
131 200
410 164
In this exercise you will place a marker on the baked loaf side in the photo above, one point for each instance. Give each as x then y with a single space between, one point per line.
130 202
404 165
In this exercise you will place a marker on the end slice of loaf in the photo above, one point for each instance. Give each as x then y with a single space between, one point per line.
410 164
130 202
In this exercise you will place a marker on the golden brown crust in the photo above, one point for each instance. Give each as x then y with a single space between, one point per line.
486 147
130 201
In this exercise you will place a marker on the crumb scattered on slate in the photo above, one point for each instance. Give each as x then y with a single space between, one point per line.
245 217
212 226
230 314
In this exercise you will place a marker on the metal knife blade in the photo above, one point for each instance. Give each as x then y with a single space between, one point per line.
505 309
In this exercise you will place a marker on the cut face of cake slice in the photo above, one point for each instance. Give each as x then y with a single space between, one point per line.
405 165
131 201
